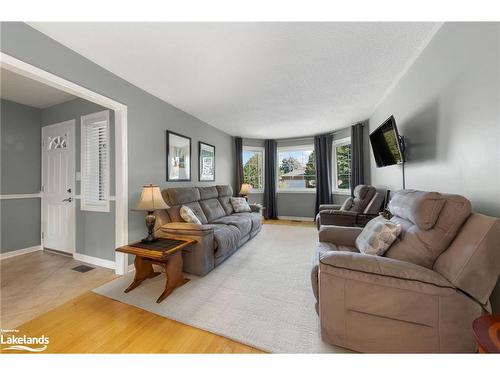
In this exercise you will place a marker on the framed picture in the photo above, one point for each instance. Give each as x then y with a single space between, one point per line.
206 155
178 157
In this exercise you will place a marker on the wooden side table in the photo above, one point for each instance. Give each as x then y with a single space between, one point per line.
487 331
166 252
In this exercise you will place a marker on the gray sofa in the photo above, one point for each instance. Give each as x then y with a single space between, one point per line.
221 233
424 293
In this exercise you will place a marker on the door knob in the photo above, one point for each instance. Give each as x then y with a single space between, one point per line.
69 190
67 199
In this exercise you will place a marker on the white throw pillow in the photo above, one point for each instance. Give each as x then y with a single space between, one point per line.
188 215
240 205
378 236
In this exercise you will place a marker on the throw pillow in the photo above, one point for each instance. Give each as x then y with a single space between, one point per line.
378 236
188 215
240 205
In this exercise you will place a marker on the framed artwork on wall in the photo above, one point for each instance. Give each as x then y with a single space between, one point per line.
206 162
178 157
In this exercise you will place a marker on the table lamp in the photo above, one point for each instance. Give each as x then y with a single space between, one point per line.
245 190
150 201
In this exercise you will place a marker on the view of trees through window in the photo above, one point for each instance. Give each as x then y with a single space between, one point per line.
342 166
297 168
253 168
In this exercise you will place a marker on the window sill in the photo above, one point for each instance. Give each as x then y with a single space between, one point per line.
292 191
254 191
341 192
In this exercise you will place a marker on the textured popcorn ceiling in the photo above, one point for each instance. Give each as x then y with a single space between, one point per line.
261 80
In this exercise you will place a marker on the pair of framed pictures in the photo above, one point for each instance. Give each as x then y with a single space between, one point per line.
179 159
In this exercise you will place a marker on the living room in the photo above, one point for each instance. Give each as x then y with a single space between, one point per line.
326 187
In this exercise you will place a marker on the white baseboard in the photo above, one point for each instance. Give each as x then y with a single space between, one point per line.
95 261
300 218
15 253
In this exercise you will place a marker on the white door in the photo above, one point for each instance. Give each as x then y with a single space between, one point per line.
58 186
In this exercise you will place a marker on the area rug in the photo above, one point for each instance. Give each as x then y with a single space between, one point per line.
261 296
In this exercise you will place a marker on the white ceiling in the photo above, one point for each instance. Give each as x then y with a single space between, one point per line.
261 80
20 89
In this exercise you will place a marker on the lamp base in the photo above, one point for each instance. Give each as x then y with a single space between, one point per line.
150 224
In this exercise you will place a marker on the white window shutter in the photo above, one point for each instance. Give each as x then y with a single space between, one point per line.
95 162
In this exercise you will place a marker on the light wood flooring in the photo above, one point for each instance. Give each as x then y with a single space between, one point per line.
80 321
35 283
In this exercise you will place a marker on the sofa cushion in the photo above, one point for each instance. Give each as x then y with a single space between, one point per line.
346 206
240 204
254 217
212 209
362 196
377 236
423 247
208 192
226 204
180 196
225 190
226 238
188 215
244 224
420 207
174 213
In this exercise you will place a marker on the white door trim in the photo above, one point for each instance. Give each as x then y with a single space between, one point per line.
121 168
72 126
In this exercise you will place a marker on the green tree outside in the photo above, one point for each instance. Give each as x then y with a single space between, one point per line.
310 171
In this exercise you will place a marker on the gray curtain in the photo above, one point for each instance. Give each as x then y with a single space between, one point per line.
323 154
238 157
271 211
357 157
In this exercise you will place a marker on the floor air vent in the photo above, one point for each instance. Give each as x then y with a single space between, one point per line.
82 268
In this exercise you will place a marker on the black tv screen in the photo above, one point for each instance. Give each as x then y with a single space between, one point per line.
385 144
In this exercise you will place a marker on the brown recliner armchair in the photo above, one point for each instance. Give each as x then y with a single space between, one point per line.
355 211
424 293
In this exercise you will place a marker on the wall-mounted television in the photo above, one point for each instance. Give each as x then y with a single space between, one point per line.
386 144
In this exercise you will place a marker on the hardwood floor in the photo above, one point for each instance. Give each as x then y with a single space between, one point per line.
91 323
290 222
95 324
35 283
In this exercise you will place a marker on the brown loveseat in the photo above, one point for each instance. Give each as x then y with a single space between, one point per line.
423 295
365 204
221 233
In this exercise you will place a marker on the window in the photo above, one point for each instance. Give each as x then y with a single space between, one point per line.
95 162
296 169
253 167
342 165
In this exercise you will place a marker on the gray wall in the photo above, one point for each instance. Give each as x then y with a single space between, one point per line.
95 231
20 174
448 107
148 116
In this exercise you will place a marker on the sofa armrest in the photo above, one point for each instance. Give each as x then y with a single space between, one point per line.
382 266
323 207
198 258
255 207
337 217
186 229
339 235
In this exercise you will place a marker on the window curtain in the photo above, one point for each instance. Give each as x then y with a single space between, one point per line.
323 153
357 157
271 208
238 157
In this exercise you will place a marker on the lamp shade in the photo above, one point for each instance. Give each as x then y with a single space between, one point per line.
151 199
245 189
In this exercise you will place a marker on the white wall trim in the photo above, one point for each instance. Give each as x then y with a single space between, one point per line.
78 196
15 253
95 261
21 196
121 162
296 191
300 218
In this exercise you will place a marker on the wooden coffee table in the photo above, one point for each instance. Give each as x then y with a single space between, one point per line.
166 252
